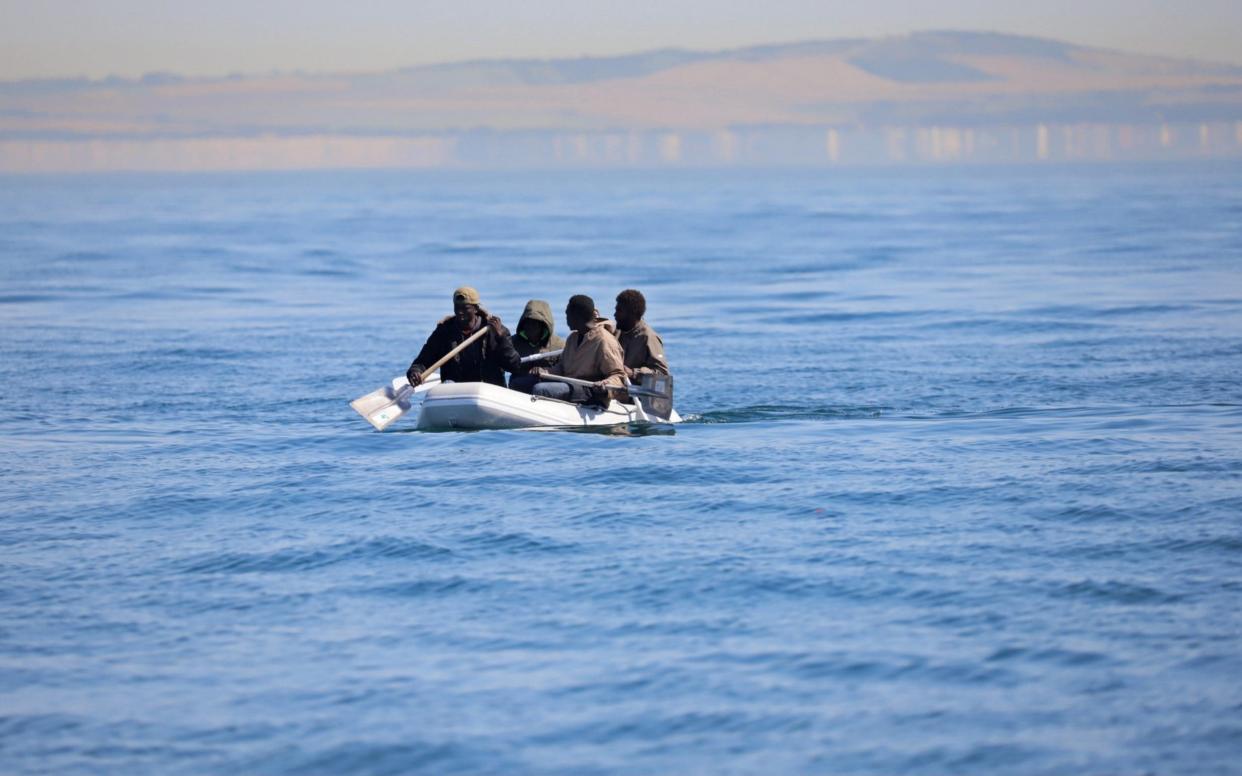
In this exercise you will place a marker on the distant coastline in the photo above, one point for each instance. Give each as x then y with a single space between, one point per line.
926 98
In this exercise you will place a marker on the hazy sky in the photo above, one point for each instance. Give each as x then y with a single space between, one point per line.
129 37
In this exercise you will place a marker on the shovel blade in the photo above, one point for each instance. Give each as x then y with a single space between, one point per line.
373 401
384 405
656 397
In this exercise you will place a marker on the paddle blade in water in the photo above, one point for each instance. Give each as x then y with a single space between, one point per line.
383 406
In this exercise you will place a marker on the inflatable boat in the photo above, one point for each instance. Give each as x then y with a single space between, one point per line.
477 406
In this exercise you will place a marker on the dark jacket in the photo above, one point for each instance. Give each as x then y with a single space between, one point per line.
643 350
485 360
536 310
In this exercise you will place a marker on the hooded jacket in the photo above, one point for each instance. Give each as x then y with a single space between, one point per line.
541 311
485 360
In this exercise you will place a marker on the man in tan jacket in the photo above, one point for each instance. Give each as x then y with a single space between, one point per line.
591 353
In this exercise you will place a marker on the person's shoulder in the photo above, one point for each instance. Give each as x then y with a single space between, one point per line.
606 324
605 334
442 328
609 340
504 330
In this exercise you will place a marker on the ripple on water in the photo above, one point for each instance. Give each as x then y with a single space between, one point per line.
428 588
1115 591
777 412
295 559
383 757
493 543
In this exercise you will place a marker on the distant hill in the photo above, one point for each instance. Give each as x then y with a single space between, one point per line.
928 57
964 80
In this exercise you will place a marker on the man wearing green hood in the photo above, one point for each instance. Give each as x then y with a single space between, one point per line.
536 333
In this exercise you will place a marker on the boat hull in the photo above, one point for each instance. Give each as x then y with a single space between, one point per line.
479 406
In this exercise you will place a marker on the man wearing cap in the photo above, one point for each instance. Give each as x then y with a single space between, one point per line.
484 360
591 353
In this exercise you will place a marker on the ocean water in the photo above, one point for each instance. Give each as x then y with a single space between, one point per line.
960 490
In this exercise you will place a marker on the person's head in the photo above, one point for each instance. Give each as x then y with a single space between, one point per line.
631 307
580 311
465 304
535 331
536 323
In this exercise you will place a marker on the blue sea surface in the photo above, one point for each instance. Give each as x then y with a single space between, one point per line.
959 490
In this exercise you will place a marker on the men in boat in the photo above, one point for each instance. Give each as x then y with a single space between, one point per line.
591 353
484 360
642 348
536 333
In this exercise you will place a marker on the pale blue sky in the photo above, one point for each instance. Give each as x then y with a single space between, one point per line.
40 38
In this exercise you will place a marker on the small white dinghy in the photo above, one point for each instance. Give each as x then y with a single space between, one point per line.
476 406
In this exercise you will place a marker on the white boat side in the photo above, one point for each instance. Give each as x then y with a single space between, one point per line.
478 406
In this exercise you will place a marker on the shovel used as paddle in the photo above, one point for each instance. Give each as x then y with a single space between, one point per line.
383 406
659 403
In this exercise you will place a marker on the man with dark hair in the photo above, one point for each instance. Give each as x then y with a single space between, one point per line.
484 360
536 333
591 353
642 348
